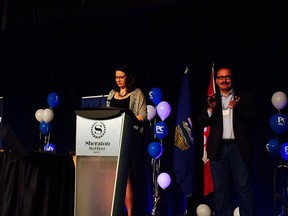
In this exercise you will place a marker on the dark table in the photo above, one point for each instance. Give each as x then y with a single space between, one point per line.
40 184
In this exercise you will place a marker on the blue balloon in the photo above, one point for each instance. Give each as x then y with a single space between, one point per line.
53 99
273 147
155 149
160 130
155 95
284 151
45 128
278 123
50 147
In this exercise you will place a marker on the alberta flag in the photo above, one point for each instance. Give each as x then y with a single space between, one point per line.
208 182
184 140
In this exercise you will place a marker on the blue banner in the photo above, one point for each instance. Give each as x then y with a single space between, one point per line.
184 140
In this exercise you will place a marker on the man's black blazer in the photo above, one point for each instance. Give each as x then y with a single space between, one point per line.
244 117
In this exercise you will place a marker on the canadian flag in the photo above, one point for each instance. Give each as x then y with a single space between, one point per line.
208 182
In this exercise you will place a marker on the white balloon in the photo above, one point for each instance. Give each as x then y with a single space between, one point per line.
47 115
236 212
38 115
279 100
151 112
203 210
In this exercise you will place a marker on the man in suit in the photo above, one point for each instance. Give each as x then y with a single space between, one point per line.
230 115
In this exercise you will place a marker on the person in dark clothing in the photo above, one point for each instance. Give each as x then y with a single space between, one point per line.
230 114
126 95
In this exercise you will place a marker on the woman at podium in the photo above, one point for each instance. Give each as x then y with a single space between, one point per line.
126 95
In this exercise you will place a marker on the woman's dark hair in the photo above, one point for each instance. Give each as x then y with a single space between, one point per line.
130 77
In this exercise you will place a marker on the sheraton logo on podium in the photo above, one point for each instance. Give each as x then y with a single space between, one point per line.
98 130
97 146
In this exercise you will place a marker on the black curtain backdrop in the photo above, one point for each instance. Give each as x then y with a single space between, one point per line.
75 56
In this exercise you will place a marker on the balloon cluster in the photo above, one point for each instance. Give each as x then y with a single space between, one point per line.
44 117
155 149
279 124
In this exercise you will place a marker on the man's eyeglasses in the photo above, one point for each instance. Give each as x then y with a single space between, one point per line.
120 77
228 77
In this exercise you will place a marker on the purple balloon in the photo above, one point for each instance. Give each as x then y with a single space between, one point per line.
163 110
164 180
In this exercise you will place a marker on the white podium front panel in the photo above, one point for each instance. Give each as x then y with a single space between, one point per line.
98 137
102 149
95 185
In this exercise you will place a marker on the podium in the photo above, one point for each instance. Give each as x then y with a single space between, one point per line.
103 138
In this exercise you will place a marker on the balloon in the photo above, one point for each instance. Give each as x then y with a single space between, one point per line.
163 110
38 115
273 147
155 149
236 212
47 115
155 95
53 99
278 123
160 130
164 180
203 210
151 112
45 128
284 151
50 147
279 100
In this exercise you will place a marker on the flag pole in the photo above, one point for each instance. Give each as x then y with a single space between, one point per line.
208 185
